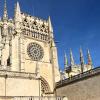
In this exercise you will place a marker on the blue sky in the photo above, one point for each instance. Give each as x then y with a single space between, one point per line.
76 23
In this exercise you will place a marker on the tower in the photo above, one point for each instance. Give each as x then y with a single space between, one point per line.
5 40
33 40
5 14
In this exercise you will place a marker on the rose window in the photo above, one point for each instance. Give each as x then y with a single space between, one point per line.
35 51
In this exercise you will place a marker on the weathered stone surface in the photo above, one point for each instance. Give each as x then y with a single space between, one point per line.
86 89
19 84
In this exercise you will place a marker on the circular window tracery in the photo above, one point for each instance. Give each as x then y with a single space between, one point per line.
35 51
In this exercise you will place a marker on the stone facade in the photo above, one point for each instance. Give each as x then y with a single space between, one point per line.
19 84
27 46
72 69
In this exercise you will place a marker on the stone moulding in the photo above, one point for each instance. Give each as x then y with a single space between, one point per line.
31 98
13 74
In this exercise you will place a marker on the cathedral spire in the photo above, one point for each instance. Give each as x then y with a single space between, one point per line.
65 62
5 15
50 26
17 18
17 15
81 60
71 59
17 7
89 58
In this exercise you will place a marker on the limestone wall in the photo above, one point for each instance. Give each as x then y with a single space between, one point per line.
86 89
19 87
24 87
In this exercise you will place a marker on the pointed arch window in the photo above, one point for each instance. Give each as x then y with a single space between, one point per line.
8 61
10 29
1 29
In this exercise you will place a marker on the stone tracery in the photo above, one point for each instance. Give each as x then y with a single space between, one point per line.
45 86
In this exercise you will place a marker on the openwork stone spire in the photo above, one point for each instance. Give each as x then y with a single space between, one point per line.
71 59
81 60
50 27
17 18
17 15
65 62
5 15
89 58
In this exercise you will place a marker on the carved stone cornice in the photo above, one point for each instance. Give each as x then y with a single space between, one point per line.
13 74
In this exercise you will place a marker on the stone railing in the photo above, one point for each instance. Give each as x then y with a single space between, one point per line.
30 98
13 74
78 77
36 35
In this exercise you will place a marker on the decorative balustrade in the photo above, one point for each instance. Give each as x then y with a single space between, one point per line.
78 77
37 35
30 98
12 74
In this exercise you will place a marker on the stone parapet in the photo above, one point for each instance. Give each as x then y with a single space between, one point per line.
78 77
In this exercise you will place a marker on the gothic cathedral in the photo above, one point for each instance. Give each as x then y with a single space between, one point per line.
28 55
